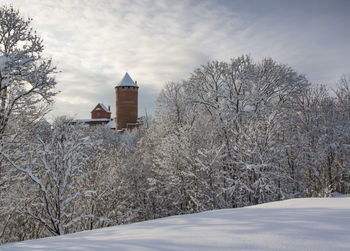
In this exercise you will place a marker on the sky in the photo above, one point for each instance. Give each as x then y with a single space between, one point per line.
94 42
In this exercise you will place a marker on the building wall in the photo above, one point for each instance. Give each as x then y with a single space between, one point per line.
126 106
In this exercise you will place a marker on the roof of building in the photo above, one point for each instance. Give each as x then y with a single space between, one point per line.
102 106
127 81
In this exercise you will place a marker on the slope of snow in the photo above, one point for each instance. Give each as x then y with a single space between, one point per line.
297 224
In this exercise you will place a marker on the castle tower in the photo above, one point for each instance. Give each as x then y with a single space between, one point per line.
126 93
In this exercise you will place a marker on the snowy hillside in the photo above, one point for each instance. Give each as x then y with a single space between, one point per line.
297 224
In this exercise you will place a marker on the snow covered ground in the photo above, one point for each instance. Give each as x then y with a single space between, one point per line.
297 224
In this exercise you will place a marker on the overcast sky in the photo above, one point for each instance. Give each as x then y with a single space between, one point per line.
94 42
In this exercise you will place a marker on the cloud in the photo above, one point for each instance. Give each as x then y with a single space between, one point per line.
95 42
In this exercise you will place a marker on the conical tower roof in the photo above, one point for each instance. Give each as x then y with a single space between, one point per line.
127 81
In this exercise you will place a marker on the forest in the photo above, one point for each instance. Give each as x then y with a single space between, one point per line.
233 134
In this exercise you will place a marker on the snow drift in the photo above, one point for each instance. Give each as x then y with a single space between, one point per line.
297 224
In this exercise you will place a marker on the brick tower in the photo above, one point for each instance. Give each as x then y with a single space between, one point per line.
126 93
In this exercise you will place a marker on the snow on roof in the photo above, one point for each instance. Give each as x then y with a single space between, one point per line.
111 124
104 108
127 81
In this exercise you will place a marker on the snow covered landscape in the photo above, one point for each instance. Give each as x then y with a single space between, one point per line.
296 224
225 160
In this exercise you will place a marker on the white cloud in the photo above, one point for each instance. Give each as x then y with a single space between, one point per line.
94 42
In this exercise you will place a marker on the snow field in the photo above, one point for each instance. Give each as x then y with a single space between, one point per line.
297 224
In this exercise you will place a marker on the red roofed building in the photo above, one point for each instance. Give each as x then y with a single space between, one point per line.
126 92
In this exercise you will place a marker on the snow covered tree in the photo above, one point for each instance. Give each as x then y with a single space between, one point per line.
247 104
26 77
110 175
27 88
318 147
343 94
342 177
52 168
